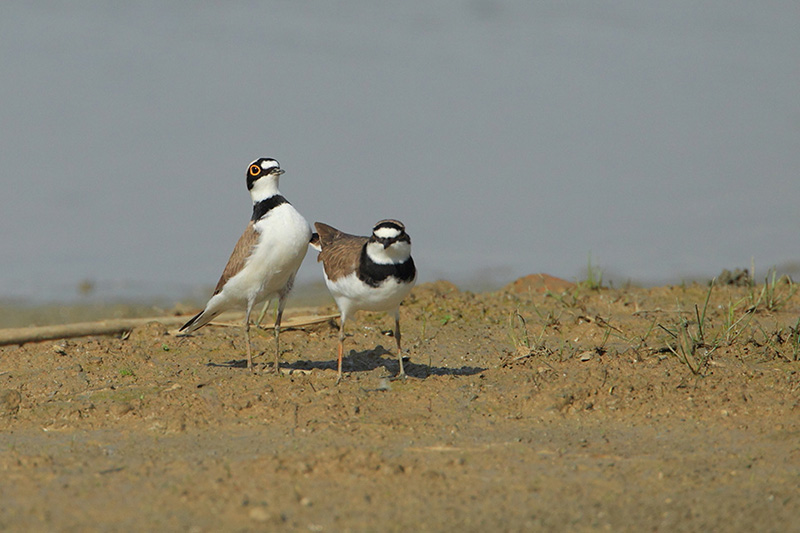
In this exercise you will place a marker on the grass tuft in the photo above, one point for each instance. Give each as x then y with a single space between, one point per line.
594 276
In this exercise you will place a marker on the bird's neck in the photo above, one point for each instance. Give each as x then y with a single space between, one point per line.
396 253
373 273
263 189
260 209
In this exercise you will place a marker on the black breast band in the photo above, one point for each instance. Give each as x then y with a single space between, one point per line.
373 274
265 206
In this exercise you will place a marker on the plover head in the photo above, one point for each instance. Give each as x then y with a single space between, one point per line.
389 243
262 177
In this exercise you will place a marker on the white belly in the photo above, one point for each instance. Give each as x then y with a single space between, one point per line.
282 246
352 294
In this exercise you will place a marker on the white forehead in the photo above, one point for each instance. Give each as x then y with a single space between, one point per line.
387 233
269 163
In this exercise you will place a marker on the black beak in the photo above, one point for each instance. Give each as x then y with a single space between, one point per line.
386 244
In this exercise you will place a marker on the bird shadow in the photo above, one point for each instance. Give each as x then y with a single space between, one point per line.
233 363
365 361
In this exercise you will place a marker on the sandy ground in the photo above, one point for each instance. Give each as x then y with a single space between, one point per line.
573 409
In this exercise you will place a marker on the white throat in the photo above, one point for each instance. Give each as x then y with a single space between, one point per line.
263 188
397 253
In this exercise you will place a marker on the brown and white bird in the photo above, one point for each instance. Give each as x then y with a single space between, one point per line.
266 258
367 273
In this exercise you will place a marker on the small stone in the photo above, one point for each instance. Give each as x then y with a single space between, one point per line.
586 356
120 409
259 514
9 402
60 348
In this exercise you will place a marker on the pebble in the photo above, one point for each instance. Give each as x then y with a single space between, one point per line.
259 514
120 409
60 348
9 402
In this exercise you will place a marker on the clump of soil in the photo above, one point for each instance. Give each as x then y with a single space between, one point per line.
545 405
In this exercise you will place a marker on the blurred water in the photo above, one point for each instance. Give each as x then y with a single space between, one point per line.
511 137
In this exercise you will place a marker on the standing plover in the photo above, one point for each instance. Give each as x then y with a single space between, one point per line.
266 258
367 273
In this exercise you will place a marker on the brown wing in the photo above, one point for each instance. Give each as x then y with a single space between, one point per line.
340 251
242 250
328 234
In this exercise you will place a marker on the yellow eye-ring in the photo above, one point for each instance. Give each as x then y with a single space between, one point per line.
254 170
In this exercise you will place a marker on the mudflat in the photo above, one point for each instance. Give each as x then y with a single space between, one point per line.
542 406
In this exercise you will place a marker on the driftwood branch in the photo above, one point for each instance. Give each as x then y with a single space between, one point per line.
118 326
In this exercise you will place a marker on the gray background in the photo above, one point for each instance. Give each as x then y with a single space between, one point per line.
511 136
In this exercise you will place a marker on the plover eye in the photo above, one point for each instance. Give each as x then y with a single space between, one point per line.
254 170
